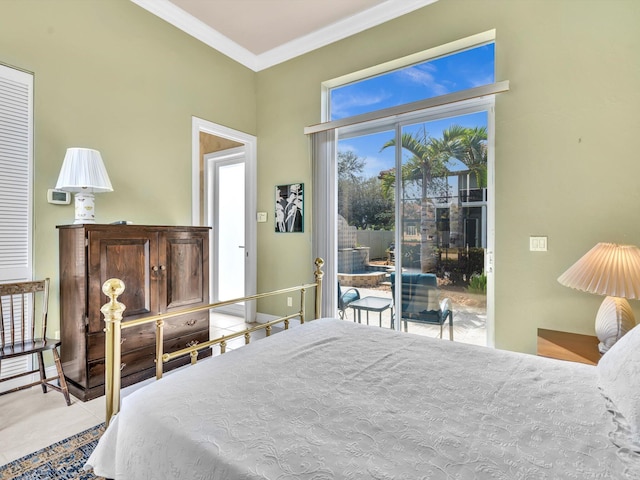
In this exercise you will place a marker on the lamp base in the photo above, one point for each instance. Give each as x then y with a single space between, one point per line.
614 319
85 208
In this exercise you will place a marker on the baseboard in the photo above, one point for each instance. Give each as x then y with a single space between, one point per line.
265 317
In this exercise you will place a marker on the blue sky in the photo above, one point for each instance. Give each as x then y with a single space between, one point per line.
467 69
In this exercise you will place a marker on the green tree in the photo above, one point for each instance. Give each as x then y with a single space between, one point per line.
350 166
428 164
428 160
360 200
469 145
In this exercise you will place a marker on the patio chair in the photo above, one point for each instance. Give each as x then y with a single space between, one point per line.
23 333
345 298
420 301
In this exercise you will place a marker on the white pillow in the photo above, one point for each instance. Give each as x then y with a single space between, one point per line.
619 379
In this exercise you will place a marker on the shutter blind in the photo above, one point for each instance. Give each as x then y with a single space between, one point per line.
16 167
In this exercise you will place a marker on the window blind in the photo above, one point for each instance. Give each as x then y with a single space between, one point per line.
16 173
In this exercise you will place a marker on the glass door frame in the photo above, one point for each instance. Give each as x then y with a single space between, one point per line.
397 123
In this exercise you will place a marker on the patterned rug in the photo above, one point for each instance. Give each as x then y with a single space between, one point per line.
62 460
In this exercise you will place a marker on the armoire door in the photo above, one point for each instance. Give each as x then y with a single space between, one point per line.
184 269
132 256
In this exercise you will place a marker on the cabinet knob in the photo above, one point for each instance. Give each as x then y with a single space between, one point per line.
154 268
192 322
163 267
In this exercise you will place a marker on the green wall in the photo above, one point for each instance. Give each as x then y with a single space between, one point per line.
566 162
111 76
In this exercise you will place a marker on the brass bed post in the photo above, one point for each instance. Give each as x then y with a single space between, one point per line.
318 275
159 339
112 312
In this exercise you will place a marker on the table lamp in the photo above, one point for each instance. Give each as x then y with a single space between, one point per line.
83 173
611 270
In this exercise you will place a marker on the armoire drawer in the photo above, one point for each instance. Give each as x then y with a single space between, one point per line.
144 358
145 335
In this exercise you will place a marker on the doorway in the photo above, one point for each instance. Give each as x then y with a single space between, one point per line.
226 215
224 193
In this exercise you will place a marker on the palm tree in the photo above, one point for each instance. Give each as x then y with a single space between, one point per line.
472 151
429 160
429 157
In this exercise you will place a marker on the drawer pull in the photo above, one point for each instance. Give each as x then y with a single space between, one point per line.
122 365
191 322
192 343
122 340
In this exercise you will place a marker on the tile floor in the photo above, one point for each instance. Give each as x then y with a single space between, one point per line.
31 420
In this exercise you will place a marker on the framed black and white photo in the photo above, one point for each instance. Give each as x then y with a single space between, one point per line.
289 208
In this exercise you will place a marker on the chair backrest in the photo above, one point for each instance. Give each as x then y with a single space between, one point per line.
345 298
18 322
419 296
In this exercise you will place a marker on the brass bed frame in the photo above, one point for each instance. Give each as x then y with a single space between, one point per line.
113 310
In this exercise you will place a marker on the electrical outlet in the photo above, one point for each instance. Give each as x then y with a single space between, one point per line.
289 302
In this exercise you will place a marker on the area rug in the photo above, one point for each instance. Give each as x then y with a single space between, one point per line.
62 460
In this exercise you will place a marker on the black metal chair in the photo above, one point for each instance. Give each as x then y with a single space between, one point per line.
420 302
22 332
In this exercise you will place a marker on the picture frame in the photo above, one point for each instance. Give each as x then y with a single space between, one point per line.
289 208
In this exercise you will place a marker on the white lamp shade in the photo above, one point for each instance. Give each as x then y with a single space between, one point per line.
611 270
606 269
83 171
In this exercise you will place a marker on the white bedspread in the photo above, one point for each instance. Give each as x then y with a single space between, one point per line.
337 400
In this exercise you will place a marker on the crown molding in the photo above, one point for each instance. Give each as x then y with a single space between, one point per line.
199 30
337 31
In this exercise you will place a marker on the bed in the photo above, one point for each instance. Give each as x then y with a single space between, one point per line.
332 399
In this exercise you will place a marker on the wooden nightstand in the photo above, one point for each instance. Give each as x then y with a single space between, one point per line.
573 347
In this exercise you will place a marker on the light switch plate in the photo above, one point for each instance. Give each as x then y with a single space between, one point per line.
262 217
538 244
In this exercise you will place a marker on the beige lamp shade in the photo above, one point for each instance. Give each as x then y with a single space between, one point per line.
612 270
83 173
606 269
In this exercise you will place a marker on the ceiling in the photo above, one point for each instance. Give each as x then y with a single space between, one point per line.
263 33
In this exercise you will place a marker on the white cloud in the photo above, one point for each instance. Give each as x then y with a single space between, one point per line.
479 81
344 103
423 75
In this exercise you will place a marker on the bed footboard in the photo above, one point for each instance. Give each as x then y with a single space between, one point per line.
113 312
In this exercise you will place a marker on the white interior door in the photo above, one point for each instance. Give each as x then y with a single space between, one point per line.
227 217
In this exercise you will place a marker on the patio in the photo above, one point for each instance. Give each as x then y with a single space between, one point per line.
469 315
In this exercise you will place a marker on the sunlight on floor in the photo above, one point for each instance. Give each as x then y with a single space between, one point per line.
469 319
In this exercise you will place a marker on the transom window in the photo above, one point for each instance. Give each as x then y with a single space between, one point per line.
457 71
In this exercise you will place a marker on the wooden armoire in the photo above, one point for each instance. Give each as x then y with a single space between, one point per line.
164 269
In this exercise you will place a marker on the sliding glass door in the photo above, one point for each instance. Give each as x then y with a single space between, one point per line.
413 199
